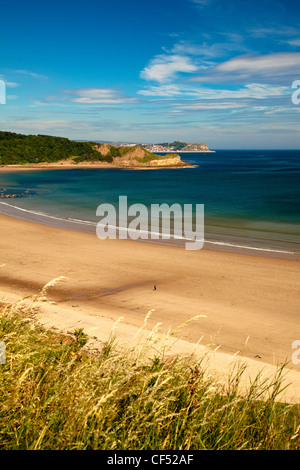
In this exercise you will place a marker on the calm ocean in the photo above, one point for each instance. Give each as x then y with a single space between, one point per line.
251 198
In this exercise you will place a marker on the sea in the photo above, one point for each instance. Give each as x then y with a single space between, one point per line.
251 198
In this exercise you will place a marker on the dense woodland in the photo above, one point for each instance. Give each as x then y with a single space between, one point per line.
22 149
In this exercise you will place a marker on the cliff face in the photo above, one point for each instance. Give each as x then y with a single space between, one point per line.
174 161
196 147
104 149
138 157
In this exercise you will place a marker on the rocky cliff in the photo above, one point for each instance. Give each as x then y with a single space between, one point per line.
196 147
137 156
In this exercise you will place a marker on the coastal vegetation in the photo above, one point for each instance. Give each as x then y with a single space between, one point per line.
29 149
20 149
57 393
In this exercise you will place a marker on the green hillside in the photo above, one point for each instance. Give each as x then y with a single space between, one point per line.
22 149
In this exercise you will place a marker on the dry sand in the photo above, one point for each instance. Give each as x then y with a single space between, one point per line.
69 165
251 303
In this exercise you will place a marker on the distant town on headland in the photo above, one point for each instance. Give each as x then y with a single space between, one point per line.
169 147
178 146
165 147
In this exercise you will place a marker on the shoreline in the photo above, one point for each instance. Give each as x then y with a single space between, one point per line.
84 226
89 166
249 305
187 151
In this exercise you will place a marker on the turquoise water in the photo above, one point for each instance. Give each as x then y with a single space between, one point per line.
251 198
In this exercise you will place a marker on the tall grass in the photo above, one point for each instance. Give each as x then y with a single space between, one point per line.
57 394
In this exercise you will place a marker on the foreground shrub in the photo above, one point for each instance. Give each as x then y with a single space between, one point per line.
55 394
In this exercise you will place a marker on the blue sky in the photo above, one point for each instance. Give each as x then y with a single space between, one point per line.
212 71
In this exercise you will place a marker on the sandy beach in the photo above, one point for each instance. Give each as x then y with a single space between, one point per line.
69 165
250 304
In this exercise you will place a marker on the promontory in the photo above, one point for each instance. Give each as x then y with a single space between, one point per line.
44 151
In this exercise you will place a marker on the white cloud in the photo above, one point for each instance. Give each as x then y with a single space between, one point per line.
31 74
261 69
62 127
282 31
98 96
249 91
8 83
35 125
210 51
293 42
261 64
202 3
162 90
11 84
165 67
91 95
206 106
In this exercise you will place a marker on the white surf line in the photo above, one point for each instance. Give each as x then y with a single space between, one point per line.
250 247
88 222
47 215
175 237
